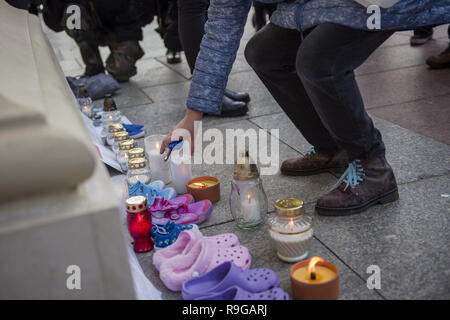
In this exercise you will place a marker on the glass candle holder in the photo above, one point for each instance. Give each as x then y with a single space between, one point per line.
138 171
119 137
113 128
86 106
111 116
290 229
123 156
139 222
159 167
248 201
136 153
180 170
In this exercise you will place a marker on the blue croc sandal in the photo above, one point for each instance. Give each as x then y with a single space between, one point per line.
152 191
164 236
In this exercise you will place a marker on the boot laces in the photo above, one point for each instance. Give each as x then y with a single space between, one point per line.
352 176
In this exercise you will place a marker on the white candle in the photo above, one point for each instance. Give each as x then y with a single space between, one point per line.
86 110
181 174
158 167
250 209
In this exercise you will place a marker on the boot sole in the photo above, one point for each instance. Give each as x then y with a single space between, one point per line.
384 198
287 172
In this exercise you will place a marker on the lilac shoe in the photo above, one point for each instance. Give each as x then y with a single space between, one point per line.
227 275
236 293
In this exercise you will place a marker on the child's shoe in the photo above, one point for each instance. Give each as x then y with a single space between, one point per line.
187 239
152 191
180 210
164 236
203 257
227 275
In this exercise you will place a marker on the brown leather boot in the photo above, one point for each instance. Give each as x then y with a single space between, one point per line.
315 162
121 63
364 184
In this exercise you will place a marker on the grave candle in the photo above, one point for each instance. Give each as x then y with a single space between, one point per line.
204 188
181 174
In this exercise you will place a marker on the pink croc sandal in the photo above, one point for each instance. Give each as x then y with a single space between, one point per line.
203 257
187 239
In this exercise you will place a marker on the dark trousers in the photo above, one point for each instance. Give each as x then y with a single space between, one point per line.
313 81
191 25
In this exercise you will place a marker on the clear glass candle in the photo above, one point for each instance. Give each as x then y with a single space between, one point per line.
158 167
138 171
113 128
290 229
84 101
118 137
248 201
123 156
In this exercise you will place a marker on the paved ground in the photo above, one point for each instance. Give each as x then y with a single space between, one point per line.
410 104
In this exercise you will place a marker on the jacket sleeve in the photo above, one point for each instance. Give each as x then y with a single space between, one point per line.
223 32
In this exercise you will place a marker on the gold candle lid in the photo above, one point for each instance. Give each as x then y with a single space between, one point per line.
136 153
127 144
289 207
245 170
121 135
136 204
115 127
136 163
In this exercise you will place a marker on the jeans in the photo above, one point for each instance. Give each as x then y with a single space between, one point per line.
313 81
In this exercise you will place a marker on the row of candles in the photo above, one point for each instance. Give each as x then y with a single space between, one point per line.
290 228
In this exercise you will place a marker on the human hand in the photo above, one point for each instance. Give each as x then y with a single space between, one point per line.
187 123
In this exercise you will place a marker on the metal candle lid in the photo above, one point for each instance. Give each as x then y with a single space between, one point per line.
136 153
121 135
136 163
109 104
136 204
289 207
244 169
115 127
127 144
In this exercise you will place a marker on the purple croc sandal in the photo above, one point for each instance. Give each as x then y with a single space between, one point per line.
180 210
227 275
236 293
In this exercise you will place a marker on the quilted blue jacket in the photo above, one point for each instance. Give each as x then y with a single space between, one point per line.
227 18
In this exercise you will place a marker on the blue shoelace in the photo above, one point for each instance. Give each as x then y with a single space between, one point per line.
352 176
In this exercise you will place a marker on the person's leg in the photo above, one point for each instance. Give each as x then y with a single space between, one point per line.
271 52
171 35
421 36
191 27
326 61
192 15
87 39
442 60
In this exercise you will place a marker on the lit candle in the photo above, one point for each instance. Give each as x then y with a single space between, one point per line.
86 109
139 223
315 279
204 188
250 209
158 167
290 229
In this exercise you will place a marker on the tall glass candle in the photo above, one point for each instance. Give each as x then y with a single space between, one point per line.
181 170
139 223
158 167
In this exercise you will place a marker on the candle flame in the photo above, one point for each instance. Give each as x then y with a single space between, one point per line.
291 223
157 146
248 197
312 267
200 184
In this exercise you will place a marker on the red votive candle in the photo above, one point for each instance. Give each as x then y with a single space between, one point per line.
139 223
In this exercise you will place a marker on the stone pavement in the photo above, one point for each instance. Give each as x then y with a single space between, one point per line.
410 104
